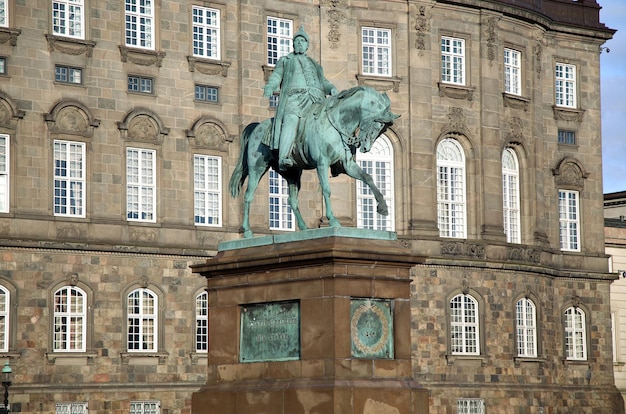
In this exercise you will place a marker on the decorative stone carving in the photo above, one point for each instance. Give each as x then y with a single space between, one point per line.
142 235
9 113
523 254
515 132
72 279
570 173
70 46
380 83
457 121
463 249
71 117
491 36
9 35
456 91
422 28
515 101
144 126
144 282
207 66
208 133
5 227
335 16
141 57
71 232
568 114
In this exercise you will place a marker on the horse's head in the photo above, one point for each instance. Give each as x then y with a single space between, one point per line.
376 118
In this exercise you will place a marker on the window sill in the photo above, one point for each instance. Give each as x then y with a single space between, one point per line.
208 66
9 35
195 356
380 83
141 57
71 358
70 46
466 360
528 360
128 356
568 114
581 363
456 91
515 101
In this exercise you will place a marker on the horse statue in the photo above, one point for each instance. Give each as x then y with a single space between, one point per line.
328 136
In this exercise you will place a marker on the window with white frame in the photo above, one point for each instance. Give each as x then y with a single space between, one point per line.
378 163
512 71
140 185
72 408
202 322
141 308
4 13
281 216
453 60
511 196
451 204
68 18
470 406
569 220
565 87
207 184
139 23
464 325
4 173
279 38
206 32
526 328
376 49
69 178
5 307
575 334
70 320
145 407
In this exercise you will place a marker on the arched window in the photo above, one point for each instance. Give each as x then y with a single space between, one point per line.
202 322
464 325
5 306
526 328
451 200
575 334
70 320
511 196
142 311
378 163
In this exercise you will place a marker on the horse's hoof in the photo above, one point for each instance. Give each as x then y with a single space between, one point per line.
382 210
334 223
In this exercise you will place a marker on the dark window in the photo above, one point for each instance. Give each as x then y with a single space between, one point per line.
206 93
140 84
67 74
3 66
567 137
274 101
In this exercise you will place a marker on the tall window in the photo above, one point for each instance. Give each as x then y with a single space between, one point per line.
139 23
68 18
69 178
511 196
4 13
569 220
453 60
281 216
140 185
72 408
565 88
451 189
470 406
464 325
526 328
206 32
142 320
512 72
4 173
378 163
5 307
279 38
145 407
207 184
202 322
376 44
70 316
575 334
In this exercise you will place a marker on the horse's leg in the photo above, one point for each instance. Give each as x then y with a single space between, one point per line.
322 175
294 189
354 171
254 177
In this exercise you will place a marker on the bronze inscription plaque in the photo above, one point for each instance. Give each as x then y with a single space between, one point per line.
270 332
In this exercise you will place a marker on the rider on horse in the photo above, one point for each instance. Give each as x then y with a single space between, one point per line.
302 83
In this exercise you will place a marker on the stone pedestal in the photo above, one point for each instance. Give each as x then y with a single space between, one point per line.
324 276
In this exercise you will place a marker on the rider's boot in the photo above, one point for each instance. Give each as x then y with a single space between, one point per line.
287 136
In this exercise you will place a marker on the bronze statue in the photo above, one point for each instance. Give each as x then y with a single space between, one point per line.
302 83
315 133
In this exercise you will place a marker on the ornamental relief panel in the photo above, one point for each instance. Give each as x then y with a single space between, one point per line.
209 133
422 28
570 174
72 118
142 126
335 16
9 114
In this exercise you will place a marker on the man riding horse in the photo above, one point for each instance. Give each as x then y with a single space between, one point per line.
302 83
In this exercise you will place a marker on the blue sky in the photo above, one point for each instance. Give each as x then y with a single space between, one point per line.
613 79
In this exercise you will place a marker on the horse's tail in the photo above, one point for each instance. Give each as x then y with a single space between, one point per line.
241 169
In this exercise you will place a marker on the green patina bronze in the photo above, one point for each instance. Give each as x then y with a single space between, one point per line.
310 131
371 328
270 332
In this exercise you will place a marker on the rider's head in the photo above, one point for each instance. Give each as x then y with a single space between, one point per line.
300 41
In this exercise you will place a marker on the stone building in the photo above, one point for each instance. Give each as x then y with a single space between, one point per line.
119 129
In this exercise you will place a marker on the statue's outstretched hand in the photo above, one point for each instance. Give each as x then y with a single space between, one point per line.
267 92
